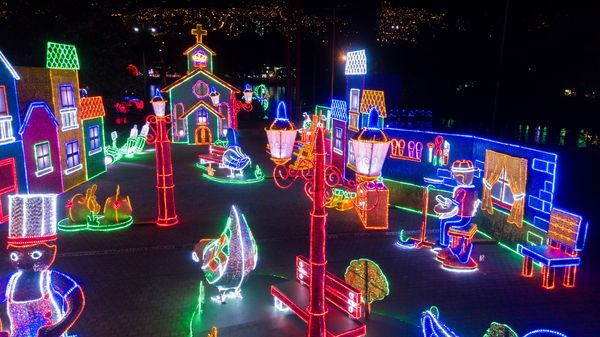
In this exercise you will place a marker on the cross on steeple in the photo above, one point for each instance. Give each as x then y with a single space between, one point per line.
199 32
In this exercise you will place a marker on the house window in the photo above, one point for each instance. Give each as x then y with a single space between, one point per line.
73 161
354 99
202 116
6 131
337 145
67 99
501 193
354 121
350 153
43 160
3 104
94 132
69 118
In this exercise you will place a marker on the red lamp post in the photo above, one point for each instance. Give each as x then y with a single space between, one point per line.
164 169
236 105
318 187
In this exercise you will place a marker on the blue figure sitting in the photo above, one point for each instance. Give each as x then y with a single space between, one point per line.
234 158
456 215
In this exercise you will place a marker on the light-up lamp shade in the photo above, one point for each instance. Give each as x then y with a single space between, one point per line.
281 136
370 149
248 92
158 104
214 96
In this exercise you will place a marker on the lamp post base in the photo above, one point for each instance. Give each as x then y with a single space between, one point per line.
167 222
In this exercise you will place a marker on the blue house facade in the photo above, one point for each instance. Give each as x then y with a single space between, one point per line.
12 168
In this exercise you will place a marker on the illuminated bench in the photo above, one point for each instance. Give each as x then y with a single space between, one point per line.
215 155
341 318
566 236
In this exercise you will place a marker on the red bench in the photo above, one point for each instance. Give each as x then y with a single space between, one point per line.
341 318
215 155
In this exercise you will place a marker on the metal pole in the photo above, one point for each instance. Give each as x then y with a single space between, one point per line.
318 230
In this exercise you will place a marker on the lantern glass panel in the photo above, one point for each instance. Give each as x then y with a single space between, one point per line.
369 157
281 143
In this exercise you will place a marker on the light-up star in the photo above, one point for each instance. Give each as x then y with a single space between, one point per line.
199 32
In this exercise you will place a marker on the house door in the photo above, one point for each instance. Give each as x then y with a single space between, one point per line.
8 185
203 136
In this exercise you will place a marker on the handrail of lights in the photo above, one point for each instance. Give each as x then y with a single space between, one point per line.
370 147
159 104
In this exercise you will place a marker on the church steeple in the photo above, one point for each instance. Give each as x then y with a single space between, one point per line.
199 55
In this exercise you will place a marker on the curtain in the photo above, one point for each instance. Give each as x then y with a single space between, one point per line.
494 164
516 174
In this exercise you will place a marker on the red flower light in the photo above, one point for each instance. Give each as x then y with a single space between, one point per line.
116 204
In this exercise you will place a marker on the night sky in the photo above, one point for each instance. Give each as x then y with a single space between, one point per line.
437 48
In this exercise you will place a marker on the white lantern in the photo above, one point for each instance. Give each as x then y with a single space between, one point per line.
370 149
158 104
248 94
214 96
282 136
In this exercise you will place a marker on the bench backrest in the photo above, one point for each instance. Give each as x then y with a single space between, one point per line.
567 229
337 292
216 150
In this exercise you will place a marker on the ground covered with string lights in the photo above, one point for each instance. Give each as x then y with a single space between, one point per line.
142 281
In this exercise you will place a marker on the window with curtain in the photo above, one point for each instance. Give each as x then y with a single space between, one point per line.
504 183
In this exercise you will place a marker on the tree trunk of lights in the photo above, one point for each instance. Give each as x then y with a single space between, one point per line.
318 229
164 176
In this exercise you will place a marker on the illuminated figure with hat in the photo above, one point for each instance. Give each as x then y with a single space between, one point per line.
40 302
456 215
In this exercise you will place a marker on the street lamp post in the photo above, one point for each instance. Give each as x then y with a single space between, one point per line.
164 169
373 145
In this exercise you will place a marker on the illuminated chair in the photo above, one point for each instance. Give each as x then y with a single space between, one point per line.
461 248
566 238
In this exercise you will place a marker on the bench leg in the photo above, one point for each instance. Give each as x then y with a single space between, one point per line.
569 279
548 277
527 267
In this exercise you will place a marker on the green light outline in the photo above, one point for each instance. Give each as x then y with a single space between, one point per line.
36 157
60 61
231 182
66 225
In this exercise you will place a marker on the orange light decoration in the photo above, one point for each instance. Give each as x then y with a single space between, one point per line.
164 168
